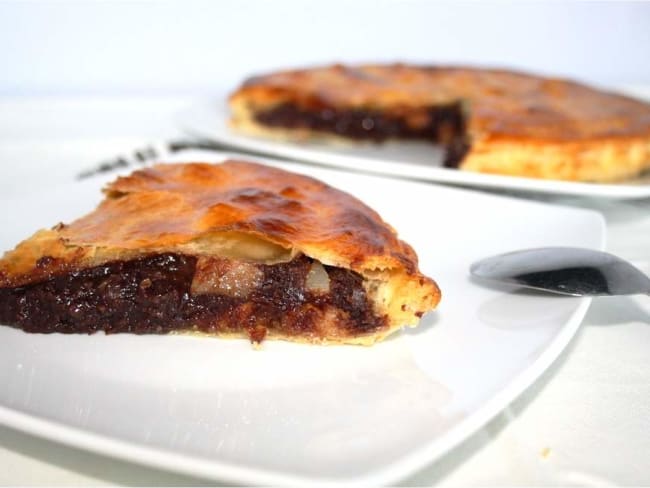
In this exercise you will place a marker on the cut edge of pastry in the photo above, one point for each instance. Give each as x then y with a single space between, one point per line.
395 288
402 297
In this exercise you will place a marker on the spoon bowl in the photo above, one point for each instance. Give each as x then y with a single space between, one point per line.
564 270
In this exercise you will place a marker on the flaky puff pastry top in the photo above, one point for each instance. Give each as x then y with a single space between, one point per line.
502 104
235 209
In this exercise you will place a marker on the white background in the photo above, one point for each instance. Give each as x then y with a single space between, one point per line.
183 48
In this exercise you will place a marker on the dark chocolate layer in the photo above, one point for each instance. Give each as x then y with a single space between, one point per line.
152 295
443 124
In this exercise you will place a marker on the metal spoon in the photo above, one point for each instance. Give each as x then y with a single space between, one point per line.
565 270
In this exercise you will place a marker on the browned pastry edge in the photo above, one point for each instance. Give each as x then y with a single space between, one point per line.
238 211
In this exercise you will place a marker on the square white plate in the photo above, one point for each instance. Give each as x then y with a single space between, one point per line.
413 160
298 414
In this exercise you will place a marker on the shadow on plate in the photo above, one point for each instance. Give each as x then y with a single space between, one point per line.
608 311
427 323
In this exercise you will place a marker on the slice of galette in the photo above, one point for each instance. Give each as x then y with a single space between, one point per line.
234 249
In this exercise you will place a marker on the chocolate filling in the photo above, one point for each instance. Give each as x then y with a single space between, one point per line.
442 124
154 295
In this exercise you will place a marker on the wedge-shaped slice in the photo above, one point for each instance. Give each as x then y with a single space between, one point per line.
233 249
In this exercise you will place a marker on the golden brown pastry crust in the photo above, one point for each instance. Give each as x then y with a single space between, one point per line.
519 124
235 209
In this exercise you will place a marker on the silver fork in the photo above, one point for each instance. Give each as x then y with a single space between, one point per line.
147 154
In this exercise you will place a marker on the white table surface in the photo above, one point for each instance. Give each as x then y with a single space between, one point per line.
585 422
